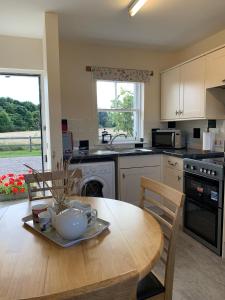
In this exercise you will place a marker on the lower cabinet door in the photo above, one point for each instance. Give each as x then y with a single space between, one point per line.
130 182
174 178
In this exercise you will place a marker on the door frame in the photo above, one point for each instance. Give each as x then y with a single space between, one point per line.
39 74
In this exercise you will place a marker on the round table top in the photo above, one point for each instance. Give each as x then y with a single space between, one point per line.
32 266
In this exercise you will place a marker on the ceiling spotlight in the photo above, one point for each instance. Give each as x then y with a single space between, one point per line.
135 6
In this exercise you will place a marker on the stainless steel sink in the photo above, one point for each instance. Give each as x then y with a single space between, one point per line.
120 150
104 152
133 150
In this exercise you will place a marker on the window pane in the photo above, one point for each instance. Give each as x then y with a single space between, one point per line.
125 94
105 94
119 95
117 122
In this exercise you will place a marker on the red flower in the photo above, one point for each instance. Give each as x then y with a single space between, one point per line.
21 177
19 183
6 184
15 190
11 180
22 190
3 177
10 175
30 171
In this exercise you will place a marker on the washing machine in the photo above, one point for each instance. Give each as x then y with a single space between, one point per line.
98 179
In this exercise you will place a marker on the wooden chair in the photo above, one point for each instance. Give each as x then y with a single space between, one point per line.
166 209
56 179
121 288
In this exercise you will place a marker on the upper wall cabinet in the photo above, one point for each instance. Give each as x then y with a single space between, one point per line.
183 91
184 95
215 68
170 94
192 89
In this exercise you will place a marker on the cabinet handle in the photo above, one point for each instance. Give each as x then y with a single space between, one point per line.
181 112
178 178
223 80
172 164
123 176
177 112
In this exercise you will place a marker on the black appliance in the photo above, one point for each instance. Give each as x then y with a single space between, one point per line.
203 209
168 138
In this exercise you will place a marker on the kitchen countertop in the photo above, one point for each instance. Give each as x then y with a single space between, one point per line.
95 155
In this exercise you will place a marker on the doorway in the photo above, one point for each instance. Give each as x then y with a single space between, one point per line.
21 139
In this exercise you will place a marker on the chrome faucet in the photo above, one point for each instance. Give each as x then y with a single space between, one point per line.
109 145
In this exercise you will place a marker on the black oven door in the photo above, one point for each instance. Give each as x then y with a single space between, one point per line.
202 214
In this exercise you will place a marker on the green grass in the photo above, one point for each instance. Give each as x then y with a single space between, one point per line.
19 153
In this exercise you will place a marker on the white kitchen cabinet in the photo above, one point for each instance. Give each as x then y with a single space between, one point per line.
173 176
130 170
170 94
215 68
192 89
173 172
174 179
184 95
130 182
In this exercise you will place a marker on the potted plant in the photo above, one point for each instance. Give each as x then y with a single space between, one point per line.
12 187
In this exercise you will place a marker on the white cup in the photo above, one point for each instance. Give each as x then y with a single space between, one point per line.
44 220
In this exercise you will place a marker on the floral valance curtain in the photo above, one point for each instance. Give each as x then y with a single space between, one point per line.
119 74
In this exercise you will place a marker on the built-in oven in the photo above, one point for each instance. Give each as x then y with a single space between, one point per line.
203 210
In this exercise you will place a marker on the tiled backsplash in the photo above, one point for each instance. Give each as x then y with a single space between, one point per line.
196 143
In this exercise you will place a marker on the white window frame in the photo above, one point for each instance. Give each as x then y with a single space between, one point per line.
138 110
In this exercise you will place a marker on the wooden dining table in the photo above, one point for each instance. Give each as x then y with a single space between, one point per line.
31 266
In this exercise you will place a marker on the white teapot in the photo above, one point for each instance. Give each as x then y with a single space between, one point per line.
72 223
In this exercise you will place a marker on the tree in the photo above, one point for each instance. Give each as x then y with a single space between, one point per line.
5 122
21 116
36 120
123 121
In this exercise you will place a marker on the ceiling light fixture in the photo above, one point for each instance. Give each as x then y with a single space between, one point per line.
135 6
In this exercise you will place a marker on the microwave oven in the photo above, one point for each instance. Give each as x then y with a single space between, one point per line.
170 138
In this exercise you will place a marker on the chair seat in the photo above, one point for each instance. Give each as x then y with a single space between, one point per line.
148 287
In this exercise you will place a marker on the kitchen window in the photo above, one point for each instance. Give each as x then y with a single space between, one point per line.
120 108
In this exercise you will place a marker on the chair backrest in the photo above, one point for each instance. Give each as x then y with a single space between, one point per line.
166 209
123 287
41 185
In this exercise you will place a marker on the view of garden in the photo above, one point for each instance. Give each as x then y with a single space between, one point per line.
20 136
19 128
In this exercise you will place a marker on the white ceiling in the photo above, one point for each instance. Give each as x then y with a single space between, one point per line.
162 24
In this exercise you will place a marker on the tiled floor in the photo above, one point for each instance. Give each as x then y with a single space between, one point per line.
199 273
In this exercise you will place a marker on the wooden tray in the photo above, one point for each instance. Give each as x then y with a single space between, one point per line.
52 234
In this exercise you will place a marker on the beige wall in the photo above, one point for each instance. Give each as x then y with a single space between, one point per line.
21 53
78 98
202 46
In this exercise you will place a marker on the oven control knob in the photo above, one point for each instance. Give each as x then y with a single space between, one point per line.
209 172
213 173
205 171
193 168
186 166
201 170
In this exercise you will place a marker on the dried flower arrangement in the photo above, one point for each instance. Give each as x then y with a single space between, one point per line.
61 183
